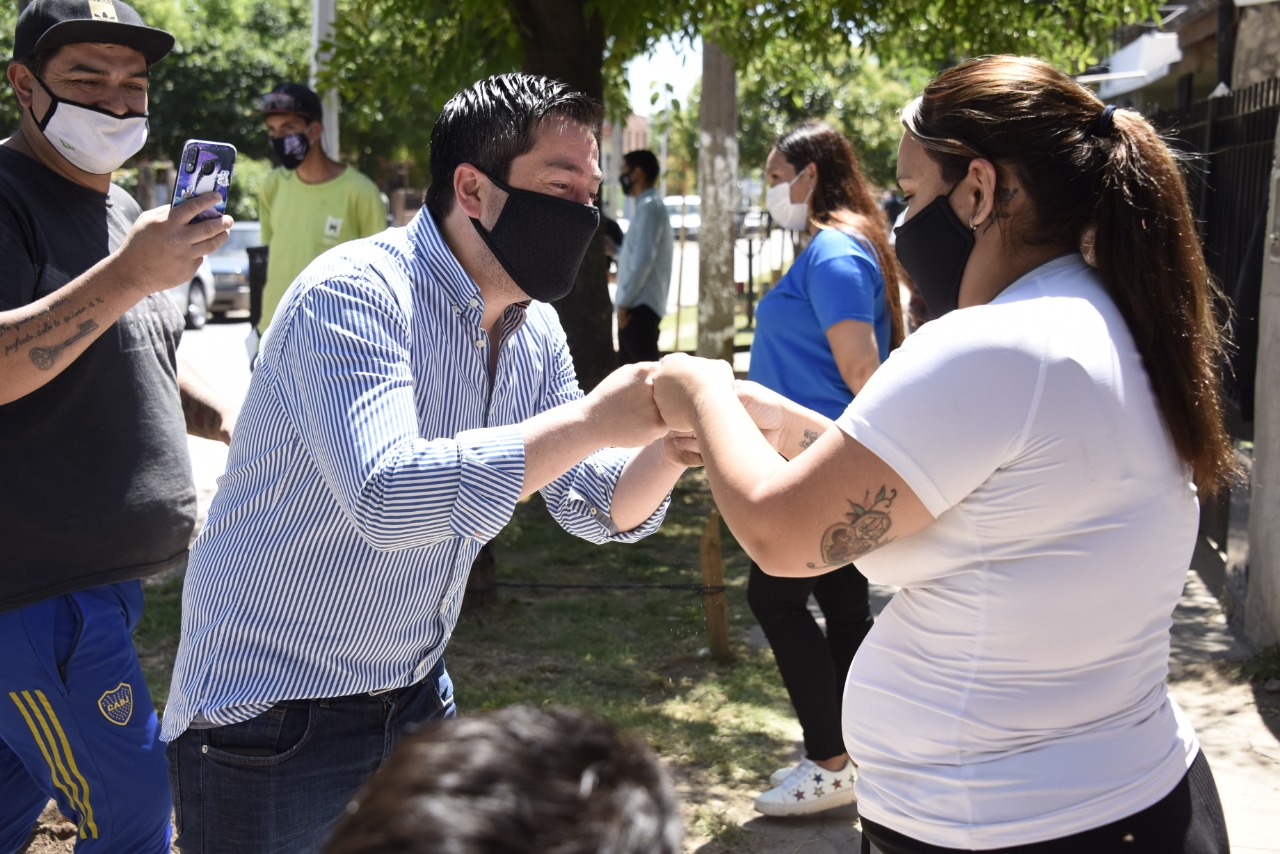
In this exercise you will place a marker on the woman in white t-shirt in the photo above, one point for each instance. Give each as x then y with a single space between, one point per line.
1024 468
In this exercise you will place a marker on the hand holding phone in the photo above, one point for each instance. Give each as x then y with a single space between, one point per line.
204 166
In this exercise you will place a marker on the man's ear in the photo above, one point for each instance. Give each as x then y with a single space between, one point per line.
468 189
22 81
982 180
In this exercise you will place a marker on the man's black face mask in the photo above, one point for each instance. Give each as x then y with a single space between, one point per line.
540 240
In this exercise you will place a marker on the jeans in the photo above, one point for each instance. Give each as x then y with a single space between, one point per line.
813 666
279 782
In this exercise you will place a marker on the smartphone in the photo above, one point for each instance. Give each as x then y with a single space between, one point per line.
204 166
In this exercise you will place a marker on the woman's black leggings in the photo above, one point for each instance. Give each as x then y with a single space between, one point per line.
1188 820
813 666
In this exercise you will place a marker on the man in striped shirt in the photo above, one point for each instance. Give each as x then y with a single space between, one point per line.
412 388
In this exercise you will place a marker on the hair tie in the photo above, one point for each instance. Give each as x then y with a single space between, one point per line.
1105 123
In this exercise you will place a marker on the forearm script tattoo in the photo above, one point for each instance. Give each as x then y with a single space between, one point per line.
863 529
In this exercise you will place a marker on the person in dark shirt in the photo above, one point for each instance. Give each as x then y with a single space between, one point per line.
92 429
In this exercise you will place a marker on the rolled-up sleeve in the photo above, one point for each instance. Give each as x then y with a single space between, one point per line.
581 499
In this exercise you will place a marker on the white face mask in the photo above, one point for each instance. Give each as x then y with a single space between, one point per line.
92 140
786 213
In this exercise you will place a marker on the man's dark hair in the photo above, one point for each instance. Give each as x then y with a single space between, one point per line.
38 61
516 780
646 161
493 122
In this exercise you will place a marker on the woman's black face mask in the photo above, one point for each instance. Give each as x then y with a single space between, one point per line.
934 247
540 240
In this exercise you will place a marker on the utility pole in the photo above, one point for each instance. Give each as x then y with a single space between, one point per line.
323 14
1262 605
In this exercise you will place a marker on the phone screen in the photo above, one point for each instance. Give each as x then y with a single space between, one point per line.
204 166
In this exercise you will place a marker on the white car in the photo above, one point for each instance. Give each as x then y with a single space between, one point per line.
686 213
231 268
193 298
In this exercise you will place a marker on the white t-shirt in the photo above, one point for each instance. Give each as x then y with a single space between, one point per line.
1013 689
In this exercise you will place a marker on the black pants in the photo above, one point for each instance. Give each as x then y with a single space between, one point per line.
1188 820
813 667
638 340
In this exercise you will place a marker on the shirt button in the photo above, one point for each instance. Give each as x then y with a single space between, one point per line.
474 302
204 748
479 342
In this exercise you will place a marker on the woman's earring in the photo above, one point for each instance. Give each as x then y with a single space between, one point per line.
972 227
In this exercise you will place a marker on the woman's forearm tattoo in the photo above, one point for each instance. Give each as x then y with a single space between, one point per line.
864 528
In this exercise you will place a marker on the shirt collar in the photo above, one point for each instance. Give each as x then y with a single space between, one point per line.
429 245
459 288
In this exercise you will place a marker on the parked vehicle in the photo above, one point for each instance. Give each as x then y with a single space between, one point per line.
752 222
231 268
686 213
193 298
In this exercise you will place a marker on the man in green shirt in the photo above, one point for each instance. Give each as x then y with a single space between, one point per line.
313 202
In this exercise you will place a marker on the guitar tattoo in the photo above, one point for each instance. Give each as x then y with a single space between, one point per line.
44 357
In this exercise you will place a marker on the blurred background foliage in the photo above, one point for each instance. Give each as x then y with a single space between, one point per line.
395 62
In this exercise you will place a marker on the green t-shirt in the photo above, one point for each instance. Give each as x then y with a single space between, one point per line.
300 221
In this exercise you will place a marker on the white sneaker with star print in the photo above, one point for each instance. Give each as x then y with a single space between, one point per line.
808 789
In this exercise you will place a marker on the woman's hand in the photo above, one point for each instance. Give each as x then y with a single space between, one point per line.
678 383
767 409
682 449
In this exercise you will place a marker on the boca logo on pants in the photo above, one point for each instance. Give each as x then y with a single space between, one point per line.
117 704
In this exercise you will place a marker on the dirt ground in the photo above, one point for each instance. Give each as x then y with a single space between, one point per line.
1207 694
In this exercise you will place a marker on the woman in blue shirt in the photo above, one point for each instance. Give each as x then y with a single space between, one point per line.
820 333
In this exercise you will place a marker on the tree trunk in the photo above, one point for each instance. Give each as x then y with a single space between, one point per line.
561 42
145 191
718 187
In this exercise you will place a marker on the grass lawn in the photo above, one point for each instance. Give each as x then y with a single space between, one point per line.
687 319
638 656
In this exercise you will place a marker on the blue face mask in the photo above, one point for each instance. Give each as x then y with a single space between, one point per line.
540 240
934 247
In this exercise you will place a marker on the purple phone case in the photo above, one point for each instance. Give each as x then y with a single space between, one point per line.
205 177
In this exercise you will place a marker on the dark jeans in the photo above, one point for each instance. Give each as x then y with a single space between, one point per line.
1188 820
280 781
638 340
813 666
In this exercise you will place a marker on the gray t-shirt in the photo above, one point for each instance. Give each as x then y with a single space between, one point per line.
97 476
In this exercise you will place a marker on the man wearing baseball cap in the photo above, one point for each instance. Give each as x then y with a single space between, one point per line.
313 202
99 492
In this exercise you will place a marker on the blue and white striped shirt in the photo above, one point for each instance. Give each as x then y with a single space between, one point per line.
372 458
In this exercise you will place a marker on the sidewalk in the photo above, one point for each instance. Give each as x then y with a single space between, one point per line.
1238 724
1230 718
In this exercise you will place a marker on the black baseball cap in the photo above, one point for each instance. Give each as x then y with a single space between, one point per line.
51 24
292 98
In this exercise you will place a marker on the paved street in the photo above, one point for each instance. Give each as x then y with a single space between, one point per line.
217 352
